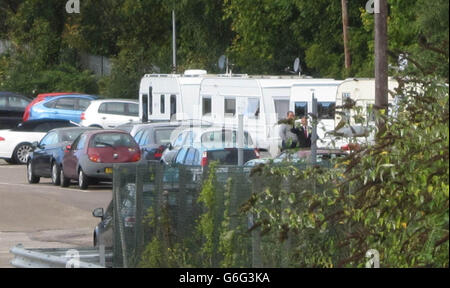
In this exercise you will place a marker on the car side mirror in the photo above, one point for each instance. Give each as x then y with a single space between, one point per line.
35 144
169 146
98 213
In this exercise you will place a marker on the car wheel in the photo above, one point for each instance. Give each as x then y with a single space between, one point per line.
82 180
21 153
64 181
56 174
32 179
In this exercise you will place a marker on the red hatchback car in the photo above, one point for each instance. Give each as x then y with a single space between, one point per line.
91 157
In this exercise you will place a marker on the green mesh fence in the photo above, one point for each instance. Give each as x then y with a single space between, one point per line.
193 217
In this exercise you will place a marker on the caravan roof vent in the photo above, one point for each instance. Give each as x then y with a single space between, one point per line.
195 72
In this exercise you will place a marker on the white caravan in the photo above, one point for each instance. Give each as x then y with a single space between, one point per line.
324 90
362 91
165 97
263 100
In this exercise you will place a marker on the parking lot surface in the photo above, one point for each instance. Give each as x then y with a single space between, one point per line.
43 215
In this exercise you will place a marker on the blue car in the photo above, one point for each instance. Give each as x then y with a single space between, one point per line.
46 159
66 107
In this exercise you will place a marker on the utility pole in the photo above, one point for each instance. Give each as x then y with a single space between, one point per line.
174 44
345 29
381 59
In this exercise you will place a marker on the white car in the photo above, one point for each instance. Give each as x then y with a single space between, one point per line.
16 143
110 113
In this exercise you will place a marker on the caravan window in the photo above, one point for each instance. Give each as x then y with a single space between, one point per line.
281 108
206 106
173 105
162 104
252 110
326 110
230 107
301 109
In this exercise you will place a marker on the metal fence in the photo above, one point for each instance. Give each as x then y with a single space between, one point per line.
177 216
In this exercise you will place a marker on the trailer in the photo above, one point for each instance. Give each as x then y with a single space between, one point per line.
219 99
362 91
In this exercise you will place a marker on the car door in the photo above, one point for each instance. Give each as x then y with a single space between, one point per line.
70 161
132 112
112 114
42 155
64 109
143 144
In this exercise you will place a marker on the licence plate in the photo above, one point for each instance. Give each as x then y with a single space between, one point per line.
108 170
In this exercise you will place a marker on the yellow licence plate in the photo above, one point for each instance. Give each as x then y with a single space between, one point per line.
108 170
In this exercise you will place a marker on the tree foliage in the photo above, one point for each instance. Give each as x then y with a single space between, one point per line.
259 37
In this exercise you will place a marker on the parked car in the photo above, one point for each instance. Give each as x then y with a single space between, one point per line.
324 157
104 231
12 107
46 159
133 128
130 127
154 138
67 107
93 153
110 113
212 138
39 98
16 143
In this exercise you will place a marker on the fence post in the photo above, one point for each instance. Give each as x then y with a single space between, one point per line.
117 214
256 243
241 140
139 241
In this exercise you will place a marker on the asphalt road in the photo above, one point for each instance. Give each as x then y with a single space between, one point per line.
43 215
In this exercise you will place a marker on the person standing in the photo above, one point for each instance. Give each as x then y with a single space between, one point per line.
288 135
303 133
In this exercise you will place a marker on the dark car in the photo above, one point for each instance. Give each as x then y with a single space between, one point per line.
46 159
93 153
154 139
12 107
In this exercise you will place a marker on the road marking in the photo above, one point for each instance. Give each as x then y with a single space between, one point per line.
54 188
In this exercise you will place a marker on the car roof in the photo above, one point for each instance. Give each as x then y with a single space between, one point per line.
70 96
100 131
43 95
116 100
63 129
7 93
157 125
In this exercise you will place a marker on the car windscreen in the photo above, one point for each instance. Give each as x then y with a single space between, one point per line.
162 136
230 156
224 137
104 140
70 135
